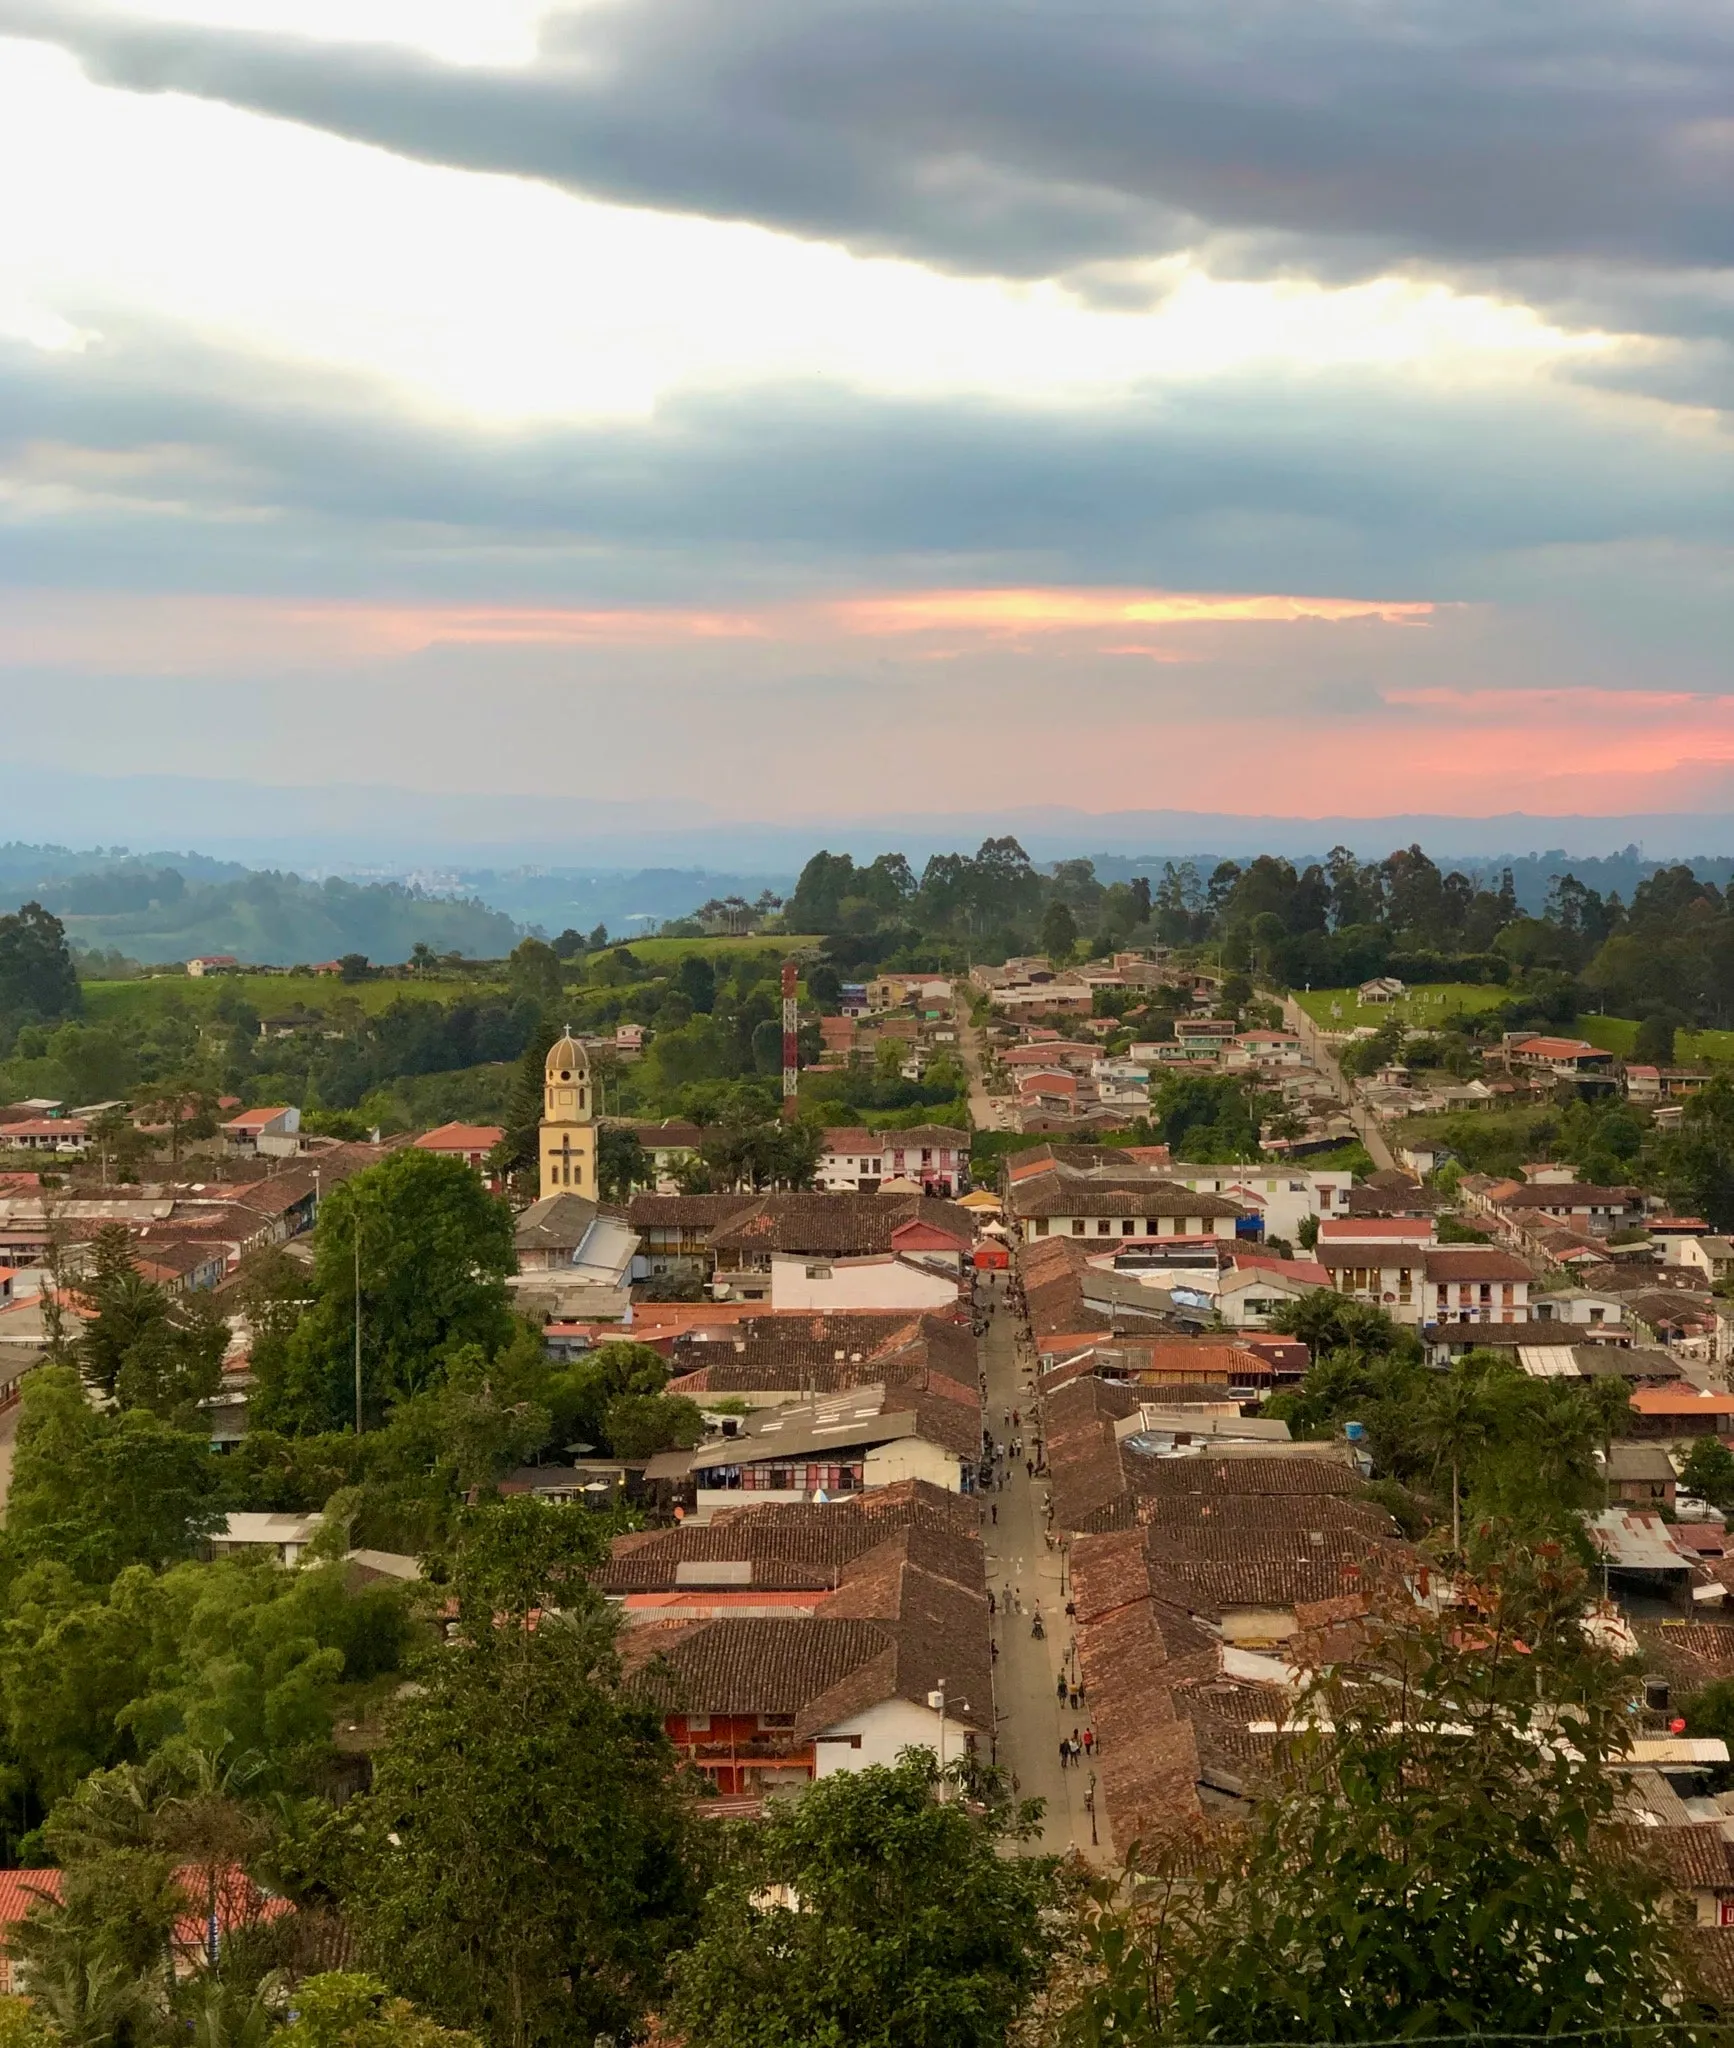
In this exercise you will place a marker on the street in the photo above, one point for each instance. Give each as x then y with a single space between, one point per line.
1312 1038
1025 1577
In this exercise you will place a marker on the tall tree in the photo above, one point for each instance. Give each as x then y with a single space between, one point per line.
872 1913
96 1492
1438 1854
523 1857
38 981
432 1249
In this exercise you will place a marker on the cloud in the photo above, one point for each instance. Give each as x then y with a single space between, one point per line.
1028 141
159 462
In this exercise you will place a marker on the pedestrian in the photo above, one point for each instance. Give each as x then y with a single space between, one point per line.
1065 1752
1029 1468
994 1647
1016 1418
1089 1742
1077 1749
990 1605
1060 1686
1074 1699
993 1509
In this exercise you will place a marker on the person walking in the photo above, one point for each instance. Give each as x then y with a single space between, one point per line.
1074 1701
1030 1468
1089 1742
1065 1752
1060 1686
993 1509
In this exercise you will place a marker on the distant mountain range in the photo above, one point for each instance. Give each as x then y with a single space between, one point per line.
386 830
158 907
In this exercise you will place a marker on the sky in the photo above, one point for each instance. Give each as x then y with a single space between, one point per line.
801 410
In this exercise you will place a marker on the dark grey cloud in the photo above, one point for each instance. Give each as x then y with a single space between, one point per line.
1044 136
207 471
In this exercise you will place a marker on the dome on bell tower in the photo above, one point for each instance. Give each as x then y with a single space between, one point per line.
567 1060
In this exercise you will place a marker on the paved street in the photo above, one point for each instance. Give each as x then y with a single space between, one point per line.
1022 1569
1372 1137
990 1113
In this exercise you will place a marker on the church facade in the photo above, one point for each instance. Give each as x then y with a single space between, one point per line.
568 1135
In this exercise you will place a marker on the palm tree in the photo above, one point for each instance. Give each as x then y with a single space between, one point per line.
235 2015
93 2002
1456 1425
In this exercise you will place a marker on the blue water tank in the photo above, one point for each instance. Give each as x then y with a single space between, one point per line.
1354 1431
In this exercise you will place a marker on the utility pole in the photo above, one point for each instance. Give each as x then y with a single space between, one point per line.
356 1234
791 1045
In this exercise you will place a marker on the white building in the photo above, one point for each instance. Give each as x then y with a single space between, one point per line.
882 1281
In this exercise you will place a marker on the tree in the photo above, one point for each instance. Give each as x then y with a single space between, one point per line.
177 1364
344 2009
120 1144
640 1425
1709 1471
1059 932
537 971
524 1862
98 1492
622 1163
434 1248
695 978
120 1305
1455 1425
1655 1039
870 1914
38 980
1438 1853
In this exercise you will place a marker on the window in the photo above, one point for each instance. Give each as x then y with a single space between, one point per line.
777 1720
1128 1227
1041 1226
1077 1226
1103 1227
698 1724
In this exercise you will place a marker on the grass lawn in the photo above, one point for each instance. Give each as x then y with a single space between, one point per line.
270 994
1429 1005
1612 1034
1691 1048
653 952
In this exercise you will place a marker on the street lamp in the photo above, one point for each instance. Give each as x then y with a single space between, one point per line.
936 1700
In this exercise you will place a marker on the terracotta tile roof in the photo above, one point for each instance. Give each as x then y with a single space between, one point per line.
1660 1401
805 1547
917 1630
1695 1858
1473 1262
1058 1195
836 1225
1567 1196
684 1212
1690 1653
460 1138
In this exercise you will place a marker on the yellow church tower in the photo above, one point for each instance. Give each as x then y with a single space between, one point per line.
568 1137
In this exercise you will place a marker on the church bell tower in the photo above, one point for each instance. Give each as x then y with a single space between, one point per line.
568 1134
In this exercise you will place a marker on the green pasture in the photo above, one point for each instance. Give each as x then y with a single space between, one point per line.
108 1002
656 952
1421 1006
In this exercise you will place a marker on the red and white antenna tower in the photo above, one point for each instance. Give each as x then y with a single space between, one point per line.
791 1044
